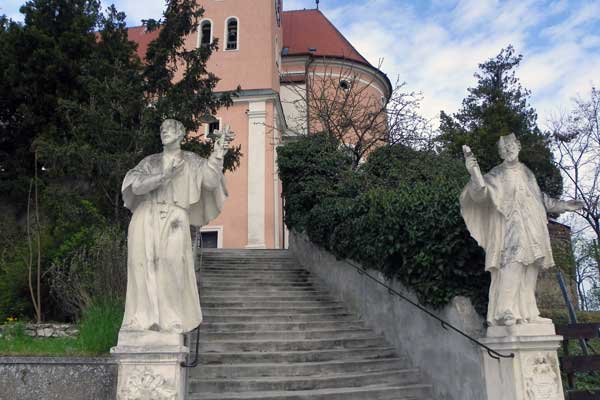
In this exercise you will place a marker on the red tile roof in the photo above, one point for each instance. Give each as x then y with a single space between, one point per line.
304 29
139 35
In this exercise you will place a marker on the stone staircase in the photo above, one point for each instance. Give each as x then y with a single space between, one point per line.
271 332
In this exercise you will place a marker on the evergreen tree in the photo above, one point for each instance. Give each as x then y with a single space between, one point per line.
498 106
77 93
40 62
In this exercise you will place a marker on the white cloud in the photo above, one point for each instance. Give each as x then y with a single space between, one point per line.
438 52
137 10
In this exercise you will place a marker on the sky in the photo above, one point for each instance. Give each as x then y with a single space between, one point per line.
435 46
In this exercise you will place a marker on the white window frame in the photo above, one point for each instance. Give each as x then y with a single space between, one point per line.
214 228
225 33
212 27
206 126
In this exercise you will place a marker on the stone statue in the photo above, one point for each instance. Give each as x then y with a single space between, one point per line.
166 193
505 211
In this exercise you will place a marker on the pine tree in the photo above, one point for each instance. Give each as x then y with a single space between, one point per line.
498 106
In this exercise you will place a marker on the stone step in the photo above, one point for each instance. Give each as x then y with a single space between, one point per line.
373 392
257 285
246 261
257 268
313 369
263 266
246 357
280 326
248 271
208 311
258 297
268 304
275 268
272 331
260 267
280 317
253 274
255 280
293 383
248 257
246 252
281 291
287 335
225 346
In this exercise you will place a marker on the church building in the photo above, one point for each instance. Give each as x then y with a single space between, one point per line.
269 53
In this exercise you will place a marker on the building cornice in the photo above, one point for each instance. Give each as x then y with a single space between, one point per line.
252 95
303 59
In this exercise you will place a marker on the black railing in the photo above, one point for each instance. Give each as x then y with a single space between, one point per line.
194 362
197 243
446 325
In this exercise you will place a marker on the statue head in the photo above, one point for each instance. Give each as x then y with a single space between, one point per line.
171 131
509 147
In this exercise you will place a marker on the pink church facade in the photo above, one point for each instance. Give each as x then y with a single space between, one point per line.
267 52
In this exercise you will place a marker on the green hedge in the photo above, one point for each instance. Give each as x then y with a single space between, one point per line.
398 213
561 316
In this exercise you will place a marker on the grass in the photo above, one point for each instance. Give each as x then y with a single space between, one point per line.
98 332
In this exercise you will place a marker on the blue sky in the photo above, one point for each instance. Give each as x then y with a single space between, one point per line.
436 45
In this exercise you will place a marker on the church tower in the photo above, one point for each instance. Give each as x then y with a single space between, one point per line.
269 54
249 35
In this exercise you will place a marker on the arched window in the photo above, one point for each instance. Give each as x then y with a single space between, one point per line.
232 34
205 33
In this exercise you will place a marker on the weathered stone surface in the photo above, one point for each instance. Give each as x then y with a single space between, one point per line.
451 362
47 330
58 378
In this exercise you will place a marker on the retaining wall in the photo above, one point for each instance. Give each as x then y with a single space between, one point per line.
449 361
58 378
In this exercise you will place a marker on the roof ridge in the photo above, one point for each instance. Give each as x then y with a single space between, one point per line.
344 38
303 10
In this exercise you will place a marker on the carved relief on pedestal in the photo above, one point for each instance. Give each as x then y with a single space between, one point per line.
144 384
542 377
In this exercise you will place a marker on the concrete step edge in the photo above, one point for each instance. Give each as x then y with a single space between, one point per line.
306 393
308 377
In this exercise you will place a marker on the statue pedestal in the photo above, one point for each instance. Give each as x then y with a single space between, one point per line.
533 374
150 365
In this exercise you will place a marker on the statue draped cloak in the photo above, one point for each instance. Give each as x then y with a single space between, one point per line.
162 293
508 219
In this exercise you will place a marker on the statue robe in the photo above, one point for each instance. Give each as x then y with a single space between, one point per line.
162 292
508 219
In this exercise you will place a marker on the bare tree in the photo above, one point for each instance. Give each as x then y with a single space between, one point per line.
35 293
344 101
576 138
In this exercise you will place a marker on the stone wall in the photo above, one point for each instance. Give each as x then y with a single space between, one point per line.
548 291
47 330
449 361
58 378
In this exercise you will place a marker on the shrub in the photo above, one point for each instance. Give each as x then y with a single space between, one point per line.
93 270
311 169
99 327
399 213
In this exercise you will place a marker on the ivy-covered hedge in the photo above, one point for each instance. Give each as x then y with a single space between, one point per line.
398 213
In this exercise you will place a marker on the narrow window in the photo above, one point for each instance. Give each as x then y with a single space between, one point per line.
209 239
213 126
205 33
232 34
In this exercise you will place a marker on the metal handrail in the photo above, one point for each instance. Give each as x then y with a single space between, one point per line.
194 363
446 325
